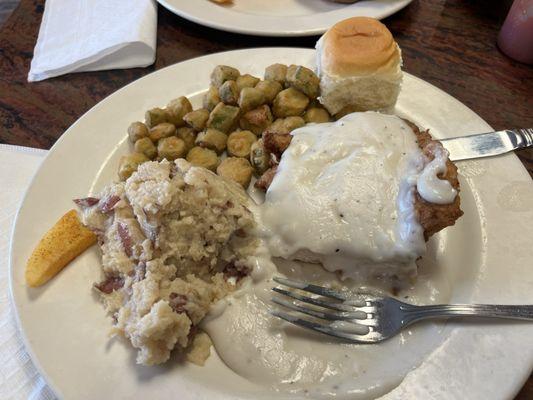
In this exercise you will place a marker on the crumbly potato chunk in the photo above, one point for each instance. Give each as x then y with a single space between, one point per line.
200 349
67 239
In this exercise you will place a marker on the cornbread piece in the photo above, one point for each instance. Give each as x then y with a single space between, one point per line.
67 239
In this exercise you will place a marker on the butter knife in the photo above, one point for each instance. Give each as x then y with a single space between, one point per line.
488 144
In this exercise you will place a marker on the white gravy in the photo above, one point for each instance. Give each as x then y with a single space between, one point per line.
345 186
343 195
285 358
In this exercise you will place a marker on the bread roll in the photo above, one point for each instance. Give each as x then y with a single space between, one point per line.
359 65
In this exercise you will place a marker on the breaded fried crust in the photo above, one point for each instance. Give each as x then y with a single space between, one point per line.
435 217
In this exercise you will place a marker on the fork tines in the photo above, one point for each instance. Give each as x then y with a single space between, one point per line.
347 319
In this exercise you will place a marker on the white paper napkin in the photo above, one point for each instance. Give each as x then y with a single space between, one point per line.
19 378
91 35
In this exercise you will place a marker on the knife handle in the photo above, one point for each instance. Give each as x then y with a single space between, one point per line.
521 138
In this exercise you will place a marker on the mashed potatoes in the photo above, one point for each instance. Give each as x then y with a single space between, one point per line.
174 239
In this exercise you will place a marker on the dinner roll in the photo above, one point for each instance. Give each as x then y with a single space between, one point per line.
359 65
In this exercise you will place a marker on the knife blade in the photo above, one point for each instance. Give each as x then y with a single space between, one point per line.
488 144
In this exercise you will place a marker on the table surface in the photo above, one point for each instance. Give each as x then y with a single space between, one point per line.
449 43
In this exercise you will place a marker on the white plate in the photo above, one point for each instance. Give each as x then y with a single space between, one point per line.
279 17
64 327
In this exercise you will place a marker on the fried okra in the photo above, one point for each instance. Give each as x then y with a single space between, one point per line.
270 89
188 135
155 116
171 148
250 98
223 73
303 79
292 123
259 157
212 139
223 117
146 147
286 125
211 99
276 72
197 119
240 143
176 110
162 130
229 93
317 115
246 80
137 130
256 120
237 169
128 164
289 102
203 157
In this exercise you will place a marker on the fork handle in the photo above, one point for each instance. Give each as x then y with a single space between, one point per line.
417 313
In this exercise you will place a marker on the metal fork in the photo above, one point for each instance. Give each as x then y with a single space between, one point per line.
372 319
